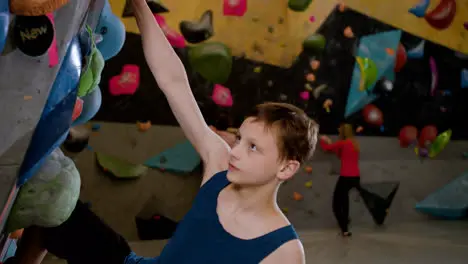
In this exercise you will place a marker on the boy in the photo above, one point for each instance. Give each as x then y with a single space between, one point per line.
235 217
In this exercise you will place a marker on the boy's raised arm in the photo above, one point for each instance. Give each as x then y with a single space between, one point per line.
171 77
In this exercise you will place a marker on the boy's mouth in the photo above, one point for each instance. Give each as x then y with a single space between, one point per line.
232 167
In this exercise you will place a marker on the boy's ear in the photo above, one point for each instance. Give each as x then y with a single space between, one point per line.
288 169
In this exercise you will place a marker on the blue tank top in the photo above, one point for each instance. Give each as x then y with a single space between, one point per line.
201 239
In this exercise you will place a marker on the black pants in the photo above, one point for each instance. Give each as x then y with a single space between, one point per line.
341 199
85 239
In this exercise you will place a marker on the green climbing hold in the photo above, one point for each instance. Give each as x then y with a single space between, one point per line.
314 43
118 167
299 5
213 61
369 73
91 76
440 143
49 197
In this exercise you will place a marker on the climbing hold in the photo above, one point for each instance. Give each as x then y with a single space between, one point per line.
442 16
33 35
299 5
91 76
196 32
341 7
369 73
439 143
127 82
464 78
297 196
310 77
308 184
418 51
359 129
390 51
285 210
258 69
77 109
95 127
234 7
318 90
213 61
408 136
434 75
175 39
48 198
419 10
222 96
314 44
181 158
270 83
143 126
308 169
327 104
465 25
383 87
118 167
312 19
314 64
427 136
27 97
373 115
304 95
155 6
283 97
378 198
348 32
91 104
400 58
308 87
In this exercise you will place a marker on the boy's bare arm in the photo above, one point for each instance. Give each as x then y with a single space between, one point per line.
171 77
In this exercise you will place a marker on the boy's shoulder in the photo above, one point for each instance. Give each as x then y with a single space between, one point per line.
290 252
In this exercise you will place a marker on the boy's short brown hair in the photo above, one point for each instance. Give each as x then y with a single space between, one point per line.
296 132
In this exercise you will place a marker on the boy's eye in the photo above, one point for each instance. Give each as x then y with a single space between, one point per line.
253 147
238 138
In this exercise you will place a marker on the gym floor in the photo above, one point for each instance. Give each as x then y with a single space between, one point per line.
407 236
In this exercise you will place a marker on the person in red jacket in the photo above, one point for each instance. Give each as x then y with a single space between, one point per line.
347 149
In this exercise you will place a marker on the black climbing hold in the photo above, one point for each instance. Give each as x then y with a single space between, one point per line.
196 32
378 197
155 5
33 35
299 5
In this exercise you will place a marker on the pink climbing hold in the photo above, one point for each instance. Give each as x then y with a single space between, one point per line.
175 39
235 7
77 109
312 19
53 51
127 82
222 96
305 95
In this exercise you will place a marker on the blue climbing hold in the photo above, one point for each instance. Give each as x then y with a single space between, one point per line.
4 22
181 158
417 52
419 10
371 47
464 78
449 202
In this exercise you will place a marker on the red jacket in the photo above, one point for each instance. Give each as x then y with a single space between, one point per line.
348 155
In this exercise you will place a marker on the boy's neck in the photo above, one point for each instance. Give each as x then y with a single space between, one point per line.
259 199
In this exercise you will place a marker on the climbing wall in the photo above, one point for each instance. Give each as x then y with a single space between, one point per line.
425 80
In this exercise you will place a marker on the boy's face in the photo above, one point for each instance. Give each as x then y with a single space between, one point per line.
254 157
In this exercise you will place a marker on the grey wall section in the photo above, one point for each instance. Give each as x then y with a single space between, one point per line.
21 76
382 159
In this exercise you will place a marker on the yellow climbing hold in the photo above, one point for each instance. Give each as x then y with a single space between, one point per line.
308 184
285 210
258 69
308 87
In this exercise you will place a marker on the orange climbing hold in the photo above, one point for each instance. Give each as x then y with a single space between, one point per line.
308 169
327 104
348 32
314 64
310 77
297 196
390 51
359 129
143 126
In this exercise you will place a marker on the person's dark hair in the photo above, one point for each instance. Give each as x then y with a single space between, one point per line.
296 132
